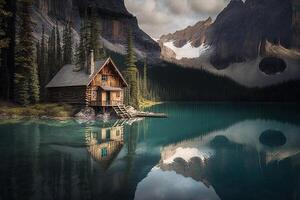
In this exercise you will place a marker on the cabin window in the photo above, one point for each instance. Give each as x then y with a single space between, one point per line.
118 133
104 152
118 94
94 95
107 136
104 78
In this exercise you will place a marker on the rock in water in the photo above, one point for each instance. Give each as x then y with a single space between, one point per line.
86 113
131 110
104 117
272 65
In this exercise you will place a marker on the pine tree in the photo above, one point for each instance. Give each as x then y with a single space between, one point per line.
86 35
81 48
34 86
38 53
77 53
67 44
4 14
43 70
80 57
25 66
70 43
130 54
5 43
145 80
52 53
89 40
64 46
95 42
58 50
131 73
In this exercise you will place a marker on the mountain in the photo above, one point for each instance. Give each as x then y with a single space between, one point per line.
195 35
237 42
186 43
241 29
296 23
112 14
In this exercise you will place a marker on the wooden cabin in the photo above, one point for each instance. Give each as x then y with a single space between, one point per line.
98 84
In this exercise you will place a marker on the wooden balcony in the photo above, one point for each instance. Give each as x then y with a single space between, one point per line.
105 103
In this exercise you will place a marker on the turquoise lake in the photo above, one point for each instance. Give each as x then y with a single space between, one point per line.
203 151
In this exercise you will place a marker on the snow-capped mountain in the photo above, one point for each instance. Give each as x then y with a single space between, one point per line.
253 42
186 43
186 51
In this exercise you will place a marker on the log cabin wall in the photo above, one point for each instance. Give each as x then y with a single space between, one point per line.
72 95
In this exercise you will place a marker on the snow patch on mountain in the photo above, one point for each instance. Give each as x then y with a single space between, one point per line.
187 51
249 74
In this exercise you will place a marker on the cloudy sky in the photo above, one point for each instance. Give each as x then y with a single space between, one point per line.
157 17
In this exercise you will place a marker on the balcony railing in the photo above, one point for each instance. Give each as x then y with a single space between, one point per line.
105 103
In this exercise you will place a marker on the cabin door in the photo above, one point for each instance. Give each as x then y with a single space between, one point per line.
107 97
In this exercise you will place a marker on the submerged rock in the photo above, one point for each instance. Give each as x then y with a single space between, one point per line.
131 110
86 113
105 117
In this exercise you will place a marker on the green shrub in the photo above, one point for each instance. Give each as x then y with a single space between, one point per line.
38 110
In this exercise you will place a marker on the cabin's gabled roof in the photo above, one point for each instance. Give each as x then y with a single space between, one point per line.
67 77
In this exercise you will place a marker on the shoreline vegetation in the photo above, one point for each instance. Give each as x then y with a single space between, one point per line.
49 110
43 111
145 103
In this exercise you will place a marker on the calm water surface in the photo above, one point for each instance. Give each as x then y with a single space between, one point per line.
202 151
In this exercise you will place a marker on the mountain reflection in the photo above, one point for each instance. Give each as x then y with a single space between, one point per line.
189 155
224 164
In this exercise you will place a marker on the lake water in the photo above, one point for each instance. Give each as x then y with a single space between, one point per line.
202 151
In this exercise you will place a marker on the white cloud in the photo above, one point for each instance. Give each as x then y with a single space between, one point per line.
207 6
158 17
177 6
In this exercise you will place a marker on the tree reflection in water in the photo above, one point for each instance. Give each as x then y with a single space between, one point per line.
190 154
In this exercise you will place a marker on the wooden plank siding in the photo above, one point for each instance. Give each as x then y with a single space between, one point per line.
99 96
114 80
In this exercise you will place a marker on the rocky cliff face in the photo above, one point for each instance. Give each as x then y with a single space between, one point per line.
196 35
296 23
113 16
239 39
241 29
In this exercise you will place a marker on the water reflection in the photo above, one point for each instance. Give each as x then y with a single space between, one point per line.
229 164
105 144
199 152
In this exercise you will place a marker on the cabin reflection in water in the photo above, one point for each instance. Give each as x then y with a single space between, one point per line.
104 144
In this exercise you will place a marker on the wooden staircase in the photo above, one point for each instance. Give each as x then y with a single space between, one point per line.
88 96
121 112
